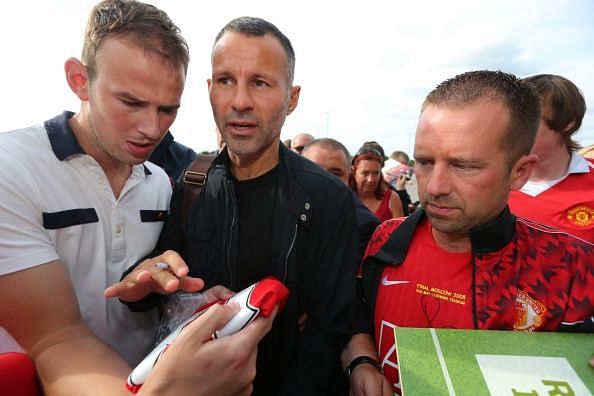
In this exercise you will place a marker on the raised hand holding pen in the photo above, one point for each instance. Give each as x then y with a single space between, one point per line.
163 274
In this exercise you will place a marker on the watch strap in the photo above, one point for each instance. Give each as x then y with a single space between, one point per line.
361 360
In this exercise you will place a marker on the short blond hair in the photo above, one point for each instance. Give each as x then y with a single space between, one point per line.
144 24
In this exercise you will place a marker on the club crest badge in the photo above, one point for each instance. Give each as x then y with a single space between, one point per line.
529 312
581 215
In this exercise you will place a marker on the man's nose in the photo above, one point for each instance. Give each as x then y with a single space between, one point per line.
149 125
439 182
242 99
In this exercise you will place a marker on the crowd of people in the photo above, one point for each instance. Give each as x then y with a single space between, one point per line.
95 233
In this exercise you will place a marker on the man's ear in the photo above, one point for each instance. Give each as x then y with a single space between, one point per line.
77 78
522 170
209 83
294 99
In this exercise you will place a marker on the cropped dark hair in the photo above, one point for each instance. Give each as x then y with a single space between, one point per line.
144 24
400 156
329 144
519 97
566 102
253 26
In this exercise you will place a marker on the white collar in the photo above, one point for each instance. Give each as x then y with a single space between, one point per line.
577 164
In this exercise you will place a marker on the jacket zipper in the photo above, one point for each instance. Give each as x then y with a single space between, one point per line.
232 194
474 315
289 253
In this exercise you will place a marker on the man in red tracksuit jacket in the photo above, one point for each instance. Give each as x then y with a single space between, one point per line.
464 260
518 275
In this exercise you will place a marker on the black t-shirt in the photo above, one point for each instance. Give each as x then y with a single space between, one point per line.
256 202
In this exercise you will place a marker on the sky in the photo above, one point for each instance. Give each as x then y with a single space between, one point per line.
364 67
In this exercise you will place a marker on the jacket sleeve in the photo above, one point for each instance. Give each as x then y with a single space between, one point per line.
328 290
367 223
405 200
579 315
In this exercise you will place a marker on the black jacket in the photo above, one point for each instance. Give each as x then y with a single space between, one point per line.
315 250
172 156
367 222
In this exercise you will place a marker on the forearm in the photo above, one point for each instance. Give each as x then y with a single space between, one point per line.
81 365
361 344
364 374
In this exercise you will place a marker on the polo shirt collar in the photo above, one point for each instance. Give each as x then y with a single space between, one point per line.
63 141
61 136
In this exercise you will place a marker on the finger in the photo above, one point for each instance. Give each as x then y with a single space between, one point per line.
128 283
166 270
218 292
202 329
117 289
164 280
142 276
148 272
176 264
190 284
129 291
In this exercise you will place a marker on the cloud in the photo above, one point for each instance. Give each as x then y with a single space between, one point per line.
365 67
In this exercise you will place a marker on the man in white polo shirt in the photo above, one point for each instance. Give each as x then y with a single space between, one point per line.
58 204
80 204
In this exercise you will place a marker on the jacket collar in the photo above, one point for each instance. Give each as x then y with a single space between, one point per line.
63 140
487 238
163 147
494 235
291 195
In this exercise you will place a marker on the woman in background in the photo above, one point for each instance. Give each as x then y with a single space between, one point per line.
367 181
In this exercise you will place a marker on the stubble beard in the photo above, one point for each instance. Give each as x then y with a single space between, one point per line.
110 152
456 226
447 226
262 139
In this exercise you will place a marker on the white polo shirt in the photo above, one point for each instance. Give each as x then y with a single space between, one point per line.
56 203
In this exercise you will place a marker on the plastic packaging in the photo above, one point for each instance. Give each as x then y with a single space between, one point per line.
257 300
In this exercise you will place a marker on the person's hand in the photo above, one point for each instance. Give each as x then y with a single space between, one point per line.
401 183
163 274
217 293
367 381
196 365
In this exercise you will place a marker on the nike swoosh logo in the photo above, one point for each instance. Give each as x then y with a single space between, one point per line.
387 282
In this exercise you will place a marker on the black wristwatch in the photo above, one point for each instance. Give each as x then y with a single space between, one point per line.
361 360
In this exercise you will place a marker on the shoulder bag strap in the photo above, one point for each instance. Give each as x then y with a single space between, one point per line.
194 179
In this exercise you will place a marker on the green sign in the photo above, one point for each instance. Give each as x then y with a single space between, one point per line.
475 362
